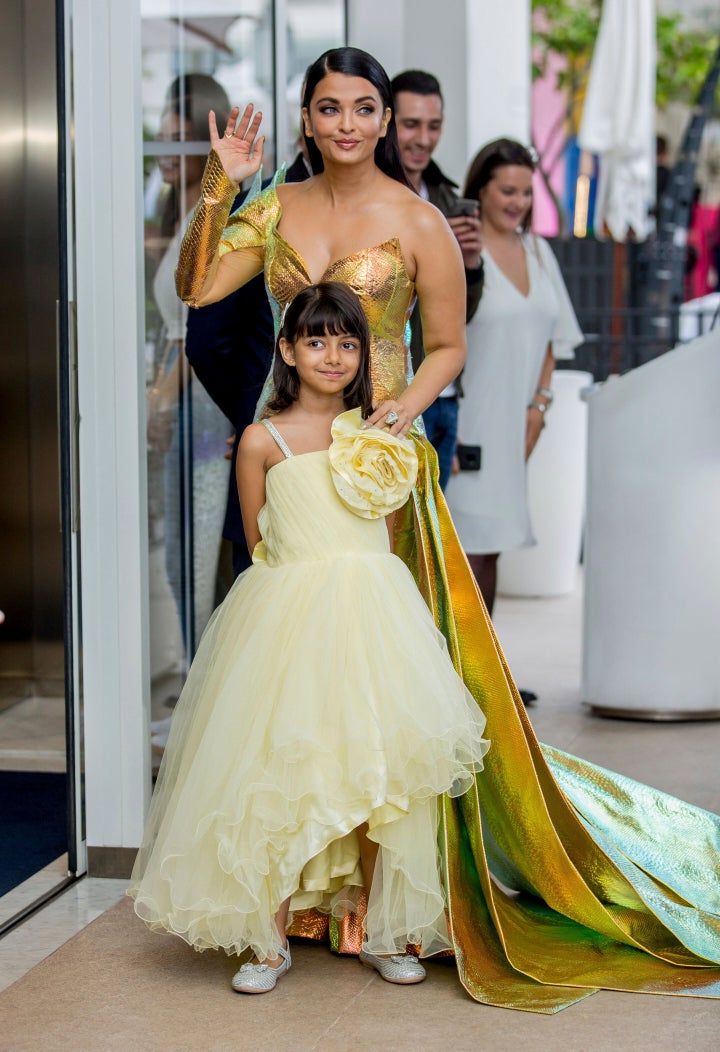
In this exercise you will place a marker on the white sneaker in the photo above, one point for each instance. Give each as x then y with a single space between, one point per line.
261 978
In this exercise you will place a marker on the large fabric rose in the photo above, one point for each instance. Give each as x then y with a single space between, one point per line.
372 470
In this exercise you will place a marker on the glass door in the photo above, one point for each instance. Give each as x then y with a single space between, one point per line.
38 770
198 56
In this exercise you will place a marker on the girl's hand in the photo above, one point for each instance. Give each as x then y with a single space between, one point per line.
535 424
399 426
239 149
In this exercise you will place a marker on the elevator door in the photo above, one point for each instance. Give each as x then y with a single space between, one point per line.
35 803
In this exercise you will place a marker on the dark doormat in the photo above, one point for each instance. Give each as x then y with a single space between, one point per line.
33 823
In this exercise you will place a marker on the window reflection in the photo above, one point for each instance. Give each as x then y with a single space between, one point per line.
198 56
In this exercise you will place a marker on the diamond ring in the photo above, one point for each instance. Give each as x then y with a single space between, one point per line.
391 418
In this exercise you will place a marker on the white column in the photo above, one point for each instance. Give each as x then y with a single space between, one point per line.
556 475
652 560
107 81
498 72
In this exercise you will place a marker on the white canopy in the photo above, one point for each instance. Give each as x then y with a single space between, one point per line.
618 121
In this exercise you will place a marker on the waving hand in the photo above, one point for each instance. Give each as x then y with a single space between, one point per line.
239 149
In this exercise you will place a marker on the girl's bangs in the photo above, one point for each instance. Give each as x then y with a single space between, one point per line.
323 318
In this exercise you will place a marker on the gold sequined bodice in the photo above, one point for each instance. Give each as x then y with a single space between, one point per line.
376 274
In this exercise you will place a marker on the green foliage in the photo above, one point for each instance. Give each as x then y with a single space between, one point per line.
683 61
565 28
569 28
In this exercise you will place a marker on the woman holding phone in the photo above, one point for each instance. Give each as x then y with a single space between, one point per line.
524 322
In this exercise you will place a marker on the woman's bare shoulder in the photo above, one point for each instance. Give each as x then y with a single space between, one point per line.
415 211
423 229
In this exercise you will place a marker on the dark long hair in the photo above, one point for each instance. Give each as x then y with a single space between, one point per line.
328 308
497 154
353 62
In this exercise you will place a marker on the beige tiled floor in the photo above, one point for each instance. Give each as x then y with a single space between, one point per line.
22 896
542 641
65 916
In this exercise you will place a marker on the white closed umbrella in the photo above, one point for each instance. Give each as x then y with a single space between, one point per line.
618 122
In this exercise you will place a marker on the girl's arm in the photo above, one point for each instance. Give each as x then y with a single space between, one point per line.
202 276
440 285
250 471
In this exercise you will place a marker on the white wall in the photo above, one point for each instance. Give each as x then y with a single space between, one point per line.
480 53
498 77
435 35
378 26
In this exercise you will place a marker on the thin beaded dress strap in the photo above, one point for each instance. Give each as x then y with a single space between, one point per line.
284 447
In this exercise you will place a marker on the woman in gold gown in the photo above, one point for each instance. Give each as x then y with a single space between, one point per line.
561 878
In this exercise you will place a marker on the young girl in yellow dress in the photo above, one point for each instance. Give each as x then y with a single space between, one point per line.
305 760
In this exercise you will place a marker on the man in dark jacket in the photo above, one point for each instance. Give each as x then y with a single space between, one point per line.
419 117
230 347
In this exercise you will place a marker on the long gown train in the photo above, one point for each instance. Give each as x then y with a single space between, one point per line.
559 872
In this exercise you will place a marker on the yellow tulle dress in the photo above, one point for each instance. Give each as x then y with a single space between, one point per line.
559 877
298 723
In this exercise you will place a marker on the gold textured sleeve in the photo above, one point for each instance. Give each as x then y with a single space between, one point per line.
200 276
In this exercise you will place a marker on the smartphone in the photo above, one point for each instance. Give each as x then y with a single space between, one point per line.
462 206
469 457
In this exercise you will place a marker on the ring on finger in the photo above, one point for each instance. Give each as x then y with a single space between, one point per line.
229 135
391 418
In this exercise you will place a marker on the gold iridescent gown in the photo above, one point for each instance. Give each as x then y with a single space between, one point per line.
561 878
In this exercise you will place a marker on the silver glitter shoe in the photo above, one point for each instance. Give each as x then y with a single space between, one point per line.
403 970
261 978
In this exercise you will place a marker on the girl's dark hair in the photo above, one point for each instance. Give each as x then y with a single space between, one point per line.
328 308
353 62
494 155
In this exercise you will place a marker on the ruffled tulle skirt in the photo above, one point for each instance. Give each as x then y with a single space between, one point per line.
321 698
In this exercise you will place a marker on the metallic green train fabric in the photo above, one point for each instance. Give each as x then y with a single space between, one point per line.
562 878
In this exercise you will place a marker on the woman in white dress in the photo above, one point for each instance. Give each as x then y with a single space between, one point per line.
524 322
